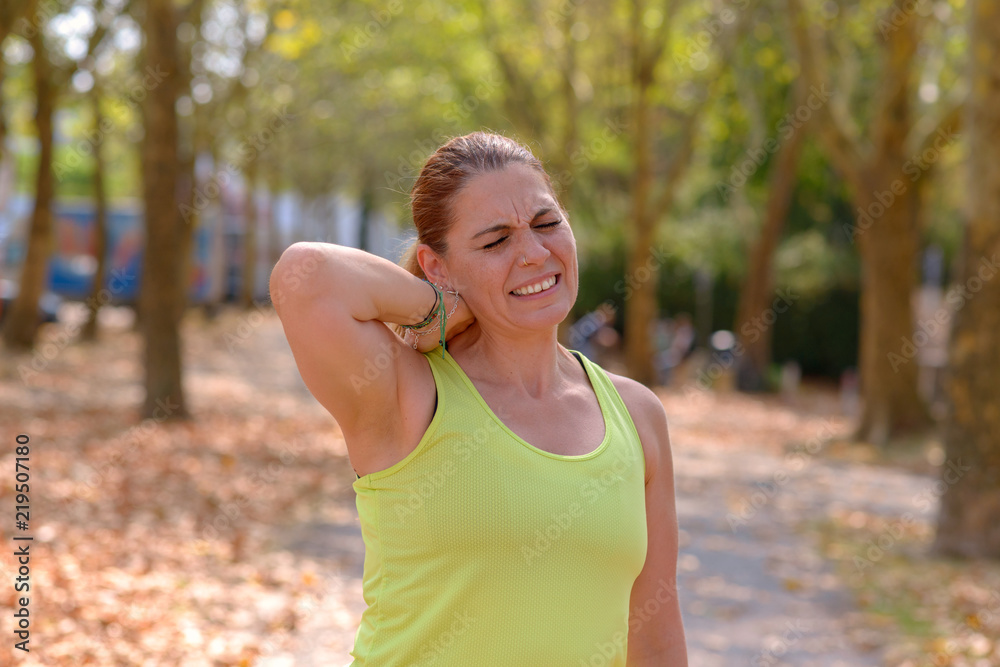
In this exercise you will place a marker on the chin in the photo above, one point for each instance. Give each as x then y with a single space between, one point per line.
547 317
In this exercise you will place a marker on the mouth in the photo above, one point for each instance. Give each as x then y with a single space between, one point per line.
555 281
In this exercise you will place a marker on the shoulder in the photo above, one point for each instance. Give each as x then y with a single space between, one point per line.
649 417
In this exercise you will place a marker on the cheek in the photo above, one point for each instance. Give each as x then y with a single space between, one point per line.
567 240
567 249
484 278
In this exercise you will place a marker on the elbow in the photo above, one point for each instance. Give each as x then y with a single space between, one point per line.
297 254
292 273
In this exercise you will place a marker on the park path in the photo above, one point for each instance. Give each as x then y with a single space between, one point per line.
754 590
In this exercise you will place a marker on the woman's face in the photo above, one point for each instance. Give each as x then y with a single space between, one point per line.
501 217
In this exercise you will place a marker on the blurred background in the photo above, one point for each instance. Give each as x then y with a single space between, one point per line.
788 221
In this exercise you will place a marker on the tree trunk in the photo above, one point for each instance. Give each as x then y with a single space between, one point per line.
885 200
970 505
643 264
21 324
565 171
756 297
163 290
887 236
11 12
889 372
187 224
89 331
641 272
3 121
189 215
250 236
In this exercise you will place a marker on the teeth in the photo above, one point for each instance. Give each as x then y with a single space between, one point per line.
537 287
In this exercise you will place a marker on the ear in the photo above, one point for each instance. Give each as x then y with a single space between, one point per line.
432 265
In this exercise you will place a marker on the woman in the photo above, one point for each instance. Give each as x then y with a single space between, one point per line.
516 500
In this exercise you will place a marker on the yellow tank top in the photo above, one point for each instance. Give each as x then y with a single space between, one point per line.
483 550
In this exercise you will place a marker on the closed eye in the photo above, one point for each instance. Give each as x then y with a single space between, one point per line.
495 244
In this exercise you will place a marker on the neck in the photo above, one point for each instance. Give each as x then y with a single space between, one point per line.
533 366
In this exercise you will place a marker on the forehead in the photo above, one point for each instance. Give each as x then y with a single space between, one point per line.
507 196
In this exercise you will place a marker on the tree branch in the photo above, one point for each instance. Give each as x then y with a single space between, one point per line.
524 105
893 110
682 156
194 9
670 8
62 74
843 148
926 130
100 31
10 12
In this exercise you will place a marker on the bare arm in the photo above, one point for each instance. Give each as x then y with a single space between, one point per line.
333 302
656 629
369 287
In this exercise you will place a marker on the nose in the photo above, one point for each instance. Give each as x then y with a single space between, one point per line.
533 249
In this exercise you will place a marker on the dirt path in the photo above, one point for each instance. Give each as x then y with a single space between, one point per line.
754 591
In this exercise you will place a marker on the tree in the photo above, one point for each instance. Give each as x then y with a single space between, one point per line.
642 266
21 324
970 505
11 12
877 168
163 291
51 73
187 148
756 295
554 127
640 310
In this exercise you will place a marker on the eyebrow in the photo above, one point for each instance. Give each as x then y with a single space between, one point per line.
502 225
